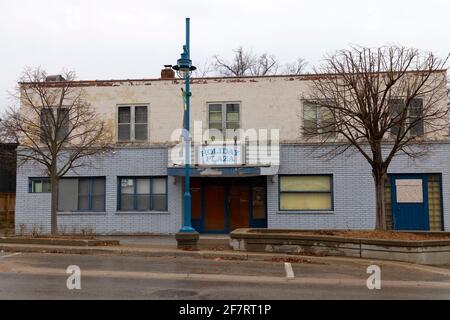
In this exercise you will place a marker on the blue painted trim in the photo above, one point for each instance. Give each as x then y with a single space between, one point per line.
226 172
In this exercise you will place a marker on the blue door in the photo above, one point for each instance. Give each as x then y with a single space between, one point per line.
409 194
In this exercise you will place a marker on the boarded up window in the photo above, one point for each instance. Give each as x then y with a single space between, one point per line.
409 190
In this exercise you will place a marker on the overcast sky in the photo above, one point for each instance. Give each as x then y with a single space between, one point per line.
111 39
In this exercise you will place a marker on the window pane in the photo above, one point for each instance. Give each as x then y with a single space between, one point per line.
143 186
233 112
215 117
46 123
305 201
37 186
159 202
124 114
143 202
215 107
83 194
309 111
159 186
63 123
98 194
127 186
68 195
305 183
309 118
140 131
124 132
127 194
140 114
46 186
233 125
396 106
126 202
215 125
416 114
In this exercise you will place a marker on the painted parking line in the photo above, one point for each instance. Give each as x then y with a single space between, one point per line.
289 271
10 255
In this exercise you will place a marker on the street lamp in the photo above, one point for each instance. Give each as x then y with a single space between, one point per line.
187 237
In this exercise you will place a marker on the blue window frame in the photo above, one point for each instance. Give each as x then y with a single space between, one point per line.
305 193
39 185
142 194
82 194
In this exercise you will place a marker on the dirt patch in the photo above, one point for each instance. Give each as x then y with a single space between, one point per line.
292 260
56 237
381 235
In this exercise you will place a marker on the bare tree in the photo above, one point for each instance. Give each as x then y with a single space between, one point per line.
264 65
56 127
246 63
203 70
242 64
381 102
297 67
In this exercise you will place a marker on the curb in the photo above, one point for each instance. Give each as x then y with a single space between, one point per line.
236 256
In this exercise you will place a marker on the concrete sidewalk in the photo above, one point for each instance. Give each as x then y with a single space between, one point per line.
210 247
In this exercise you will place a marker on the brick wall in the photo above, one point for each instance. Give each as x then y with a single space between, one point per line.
33 209
354 192
354 200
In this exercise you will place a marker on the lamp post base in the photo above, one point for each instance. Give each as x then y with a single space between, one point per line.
187 240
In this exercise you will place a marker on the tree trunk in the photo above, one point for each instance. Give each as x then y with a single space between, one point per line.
379 179
54 181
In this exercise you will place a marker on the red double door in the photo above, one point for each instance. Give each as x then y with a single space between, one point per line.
221 205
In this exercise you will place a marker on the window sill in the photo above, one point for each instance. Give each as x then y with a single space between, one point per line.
141 212
304 212
82 213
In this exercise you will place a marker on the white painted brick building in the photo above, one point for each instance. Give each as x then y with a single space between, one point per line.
306 191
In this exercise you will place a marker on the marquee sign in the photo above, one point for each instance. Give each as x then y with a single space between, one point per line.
220 155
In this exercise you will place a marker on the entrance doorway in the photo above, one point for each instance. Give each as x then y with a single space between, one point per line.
221 205
410 202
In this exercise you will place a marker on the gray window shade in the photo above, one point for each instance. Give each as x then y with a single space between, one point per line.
68 195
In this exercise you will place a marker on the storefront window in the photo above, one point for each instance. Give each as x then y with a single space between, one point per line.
306 193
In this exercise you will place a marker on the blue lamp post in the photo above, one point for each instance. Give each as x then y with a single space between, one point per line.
184 69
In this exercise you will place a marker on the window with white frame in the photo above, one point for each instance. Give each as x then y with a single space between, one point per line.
413 116
317 121
132 124
224 116
54 121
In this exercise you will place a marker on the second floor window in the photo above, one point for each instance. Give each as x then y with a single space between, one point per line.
413 117
317 121
224 116
132 123
54 121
